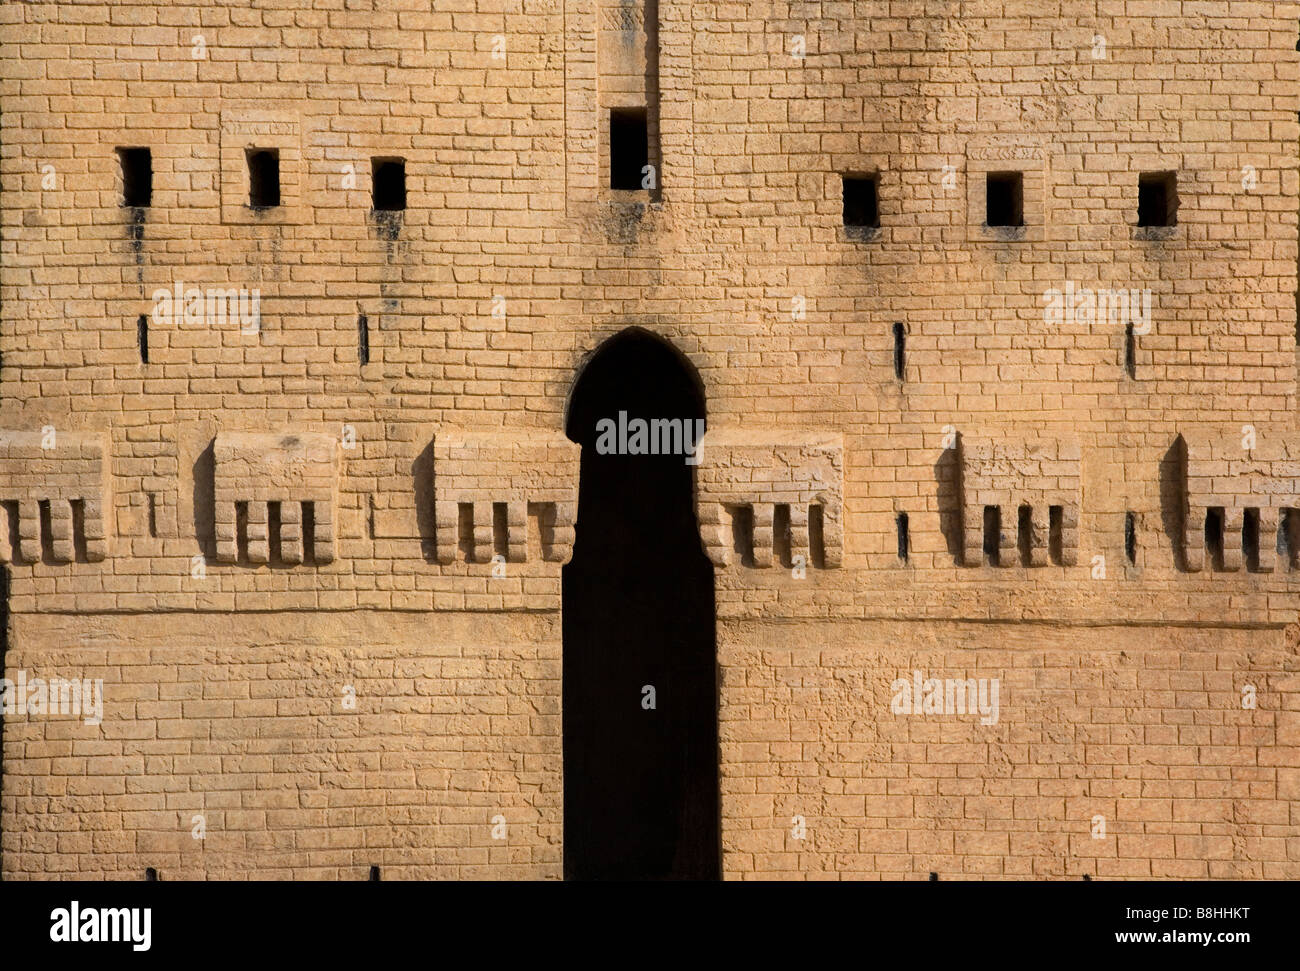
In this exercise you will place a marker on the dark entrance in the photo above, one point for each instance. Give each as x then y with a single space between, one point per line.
640 784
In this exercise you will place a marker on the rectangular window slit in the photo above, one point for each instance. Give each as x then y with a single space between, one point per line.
1157 199
742 534
388 184
992 533
900 527
500 530
137 177
263 177
1005 198
1214 536
781 534
241 532
309 532
273 545
1025 534
153 515
1130 351
900 350
1250 539
142 337
861 201
78 530
817 536
629 148
465 530
363 339
1130 538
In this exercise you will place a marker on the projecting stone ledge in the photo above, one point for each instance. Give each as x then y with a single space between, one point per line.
771 489
1002 476
295 476
488 483
66 471
1236 474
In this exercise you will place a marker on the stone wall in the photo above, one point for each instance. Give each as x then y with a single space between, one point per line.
163 332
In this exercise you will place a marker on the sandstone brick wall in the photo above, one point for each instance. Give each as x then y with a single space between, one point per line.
513 261
1147 732
450 728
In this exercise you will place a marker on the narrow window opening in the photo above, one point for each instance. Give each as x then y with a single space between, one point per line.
861 201
263 178
150 874
79 531
900 350
742 534
1005 198
465 531
142 337
1214 537
500 530
1250 539
817 536
241 532
1130 538
46 530
137 177
1025 534
363 339
374 874
900 526
274 546
1130 351
1056 535
629 148
1157 199
388 184
153 515
992 533
781 534
309 532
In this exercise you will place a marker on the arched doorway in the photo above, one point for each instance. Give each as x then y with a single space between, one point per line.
640 675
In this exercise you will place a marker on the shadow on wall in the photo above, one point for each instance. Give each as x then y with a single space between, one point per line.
947 474
205 528
1173 500
422 481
